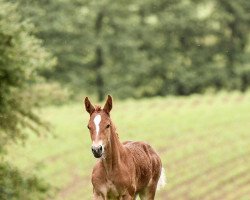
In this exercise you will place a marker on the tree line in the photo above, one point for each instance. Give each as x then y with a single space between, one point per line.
141 49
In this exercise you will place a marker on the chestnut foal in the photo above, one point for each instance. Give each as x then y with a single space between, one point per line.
124 170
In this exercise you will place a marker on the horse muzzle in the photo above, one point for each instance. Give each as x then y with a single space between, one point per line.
97 151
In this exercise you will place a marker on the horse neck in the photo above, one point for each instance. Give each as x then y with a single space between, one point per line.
114 152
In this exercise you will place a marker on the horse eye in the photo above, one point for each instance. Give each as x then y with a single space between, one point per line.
88 127
108 126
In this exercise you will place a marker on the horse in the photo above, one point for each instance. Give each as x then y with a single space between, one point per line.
125 170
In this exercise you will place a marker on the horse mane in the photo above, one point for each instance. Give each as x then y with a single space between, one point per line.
114 130
98 108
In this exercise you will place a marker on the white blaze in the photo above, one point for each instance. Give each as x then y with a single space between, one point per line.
97 121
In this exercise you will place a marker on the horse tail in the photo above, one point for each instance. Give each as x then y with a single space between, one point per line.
162 180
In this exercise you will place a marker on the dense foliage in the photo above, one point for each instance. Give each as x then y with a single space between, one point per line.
135 48
15 186
22 57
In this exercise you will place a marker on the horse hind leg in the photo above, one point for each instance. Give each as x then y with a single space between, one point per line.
156 183
148 193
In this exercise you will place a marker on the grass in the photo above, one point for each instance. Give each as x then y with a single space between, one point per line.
204 143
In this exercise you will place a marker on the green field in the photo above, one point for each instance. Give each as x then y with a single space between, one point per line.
204 143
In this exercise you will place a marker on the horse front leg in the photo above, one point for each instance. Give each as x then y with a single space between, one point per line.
98 196
148 193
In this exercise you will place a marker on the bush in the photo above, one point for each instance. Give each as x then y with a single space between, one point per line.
13 185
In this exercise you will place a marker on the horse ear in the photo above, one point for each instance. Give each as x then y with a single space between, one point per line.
88 106
108 105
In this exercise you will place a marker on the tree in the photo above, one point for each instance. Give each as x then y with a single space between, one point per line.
22 57
233 33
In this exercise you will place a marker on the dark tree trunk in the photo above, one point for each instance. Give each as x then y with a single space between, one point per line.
99 59
232 51
99 78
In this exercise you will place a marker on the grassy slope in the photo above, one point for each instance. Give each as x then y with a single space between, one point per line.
204 142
